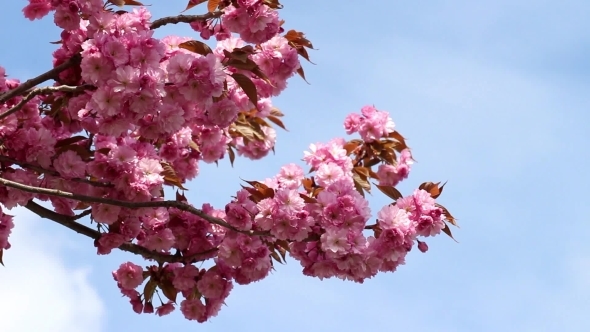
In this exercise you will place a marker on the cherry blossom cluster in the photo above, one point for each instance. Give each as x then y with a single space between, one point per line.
135 113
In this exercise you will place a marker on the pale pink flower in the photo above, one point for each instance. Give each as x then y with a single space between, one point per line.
129 275
70 165
37 9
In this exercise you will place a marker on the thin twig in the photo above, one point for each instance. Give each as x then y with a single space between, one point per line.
126 204
42 91
183 19
70 223
53 173
40 79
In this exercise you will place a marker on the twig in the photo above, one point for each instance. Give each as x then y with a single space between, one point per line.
183 19
42 91
70 223
53 173
40 79
130 205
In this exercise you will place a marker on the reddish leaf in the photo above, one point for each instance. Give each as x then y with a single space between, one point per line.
103 151
352 145
232 155
274 4
307 184
196 46
447 231
390 191
359 188
448 217
169 290
276 121
69 140
193 3
194 146
180 197
302 74
276 112
212 5
276 256
249 133
372 162
133 3
283 252
249 88
308 199
363 172
431 188
149 289
170 177
282 244
298 38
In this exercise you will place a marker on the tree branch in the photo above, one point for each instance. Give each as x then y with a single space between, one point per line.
183 19
70 223
126 204
53 173
42 91
40 79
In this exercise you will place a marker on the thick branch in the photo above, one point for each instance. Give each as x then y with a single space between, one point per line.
183 19
40 79
70 223
53 173
126 204
42 91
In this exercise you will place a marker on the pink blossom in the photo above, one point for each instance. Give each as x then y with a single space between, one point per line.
238 216
163 240
165 309
193 310
129 275
6 226
212 285
106 214
108 242
70 165
37 9
335 241
185 277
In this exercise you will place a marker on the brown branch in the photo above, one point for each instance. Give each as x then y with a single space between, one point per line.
183 19
126 204
53 173
42 91
70 223
40 79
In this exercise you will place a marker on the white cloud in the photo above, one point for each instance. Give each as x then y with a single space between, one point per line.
39 291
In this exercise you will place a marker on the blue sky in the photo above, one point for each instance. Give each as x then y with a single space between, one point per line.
492 96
